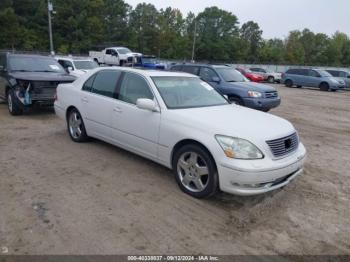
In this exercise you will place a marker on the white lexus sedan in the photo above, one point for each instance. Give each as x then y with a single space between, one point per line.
181 122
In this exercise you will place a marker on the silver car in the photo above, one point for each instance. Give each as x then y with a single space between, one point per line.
341 74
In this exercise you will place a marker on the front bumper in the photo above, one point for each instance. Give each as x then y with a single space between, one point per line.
262 103
245 179
337 86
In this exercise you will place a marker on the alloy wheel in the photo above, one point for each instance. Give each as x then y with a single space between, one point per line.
193 171
75 125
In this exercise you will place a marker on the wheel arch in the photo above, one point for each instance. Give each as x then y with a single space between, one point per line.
7 89
324 82
70 108
189 141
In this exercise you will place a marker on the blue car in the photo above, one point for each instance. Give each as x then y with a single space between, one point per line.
231 83
149 62
313 78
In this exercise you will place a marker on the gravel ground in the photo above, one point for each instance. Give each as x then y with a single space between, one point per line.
59 197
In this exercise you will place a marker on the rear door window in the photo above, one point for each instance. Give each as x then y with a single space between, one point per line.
105 83
88 84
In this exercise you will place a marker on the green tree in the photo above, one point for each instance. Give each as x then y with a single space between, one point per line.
272 51
10 29
143 23
251 34
217 30
295 53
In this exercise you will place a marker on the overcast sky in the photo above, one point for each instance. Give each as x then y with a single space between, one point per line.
275 17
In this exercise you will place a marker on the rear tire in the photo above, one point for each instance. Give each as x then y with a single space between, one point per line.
195 171
76 127
324 86
288 83
271 79
13 104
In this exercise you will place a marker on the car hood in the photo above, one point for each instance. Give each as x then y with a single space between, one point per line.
42 76
235 121
252 86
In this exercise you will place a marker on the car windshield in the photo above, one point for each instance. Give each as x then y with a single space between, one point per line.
149 60
85 64
324 73
231 75
34 64
123 51
187 92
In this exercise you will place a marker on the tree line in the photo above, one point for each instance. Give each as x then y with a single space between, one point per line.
82 25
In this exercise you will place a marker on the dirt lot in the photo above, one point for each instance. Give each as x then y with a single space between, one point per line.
58 197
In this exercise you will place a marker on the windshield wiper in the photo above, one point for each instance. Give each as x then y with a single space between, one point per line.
21 70
46 71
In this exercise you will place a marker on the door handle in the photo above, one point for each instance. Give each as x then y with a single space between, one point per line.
117 110
84 100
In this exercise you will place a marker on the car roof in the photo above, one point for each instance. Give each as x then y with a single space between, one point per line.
29 56
206 65
116 47
74 58
148 72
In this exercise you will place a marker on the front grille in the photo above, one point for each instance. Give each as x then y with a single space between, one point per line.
272 94
44 90
283 146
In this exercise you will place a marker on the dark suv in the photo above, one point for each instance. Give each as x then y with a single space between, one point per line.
26 80
234 85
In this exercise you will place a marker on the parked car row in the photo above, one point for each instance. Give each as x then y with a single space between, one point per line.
231 83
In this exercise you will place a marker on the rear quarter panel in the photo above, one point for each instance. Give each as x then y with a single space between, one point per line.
67 95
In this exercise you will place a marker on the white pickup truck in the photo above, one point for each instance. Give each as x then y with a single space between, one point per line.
115 56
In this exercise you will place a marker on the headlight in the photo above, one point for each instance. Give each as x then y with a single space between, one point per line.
254 94
238 148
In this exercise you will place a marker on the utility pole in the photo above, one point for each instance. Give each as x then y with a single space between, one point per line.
49 11
194 40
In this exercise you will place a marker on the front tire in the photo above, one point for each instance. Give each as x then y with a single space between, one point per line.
13 104
271 79
76 127
288 83
324 86
195 171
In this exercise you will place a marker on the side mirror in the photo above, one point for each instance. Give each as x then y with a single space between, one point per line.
147 104
70 69
216 79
